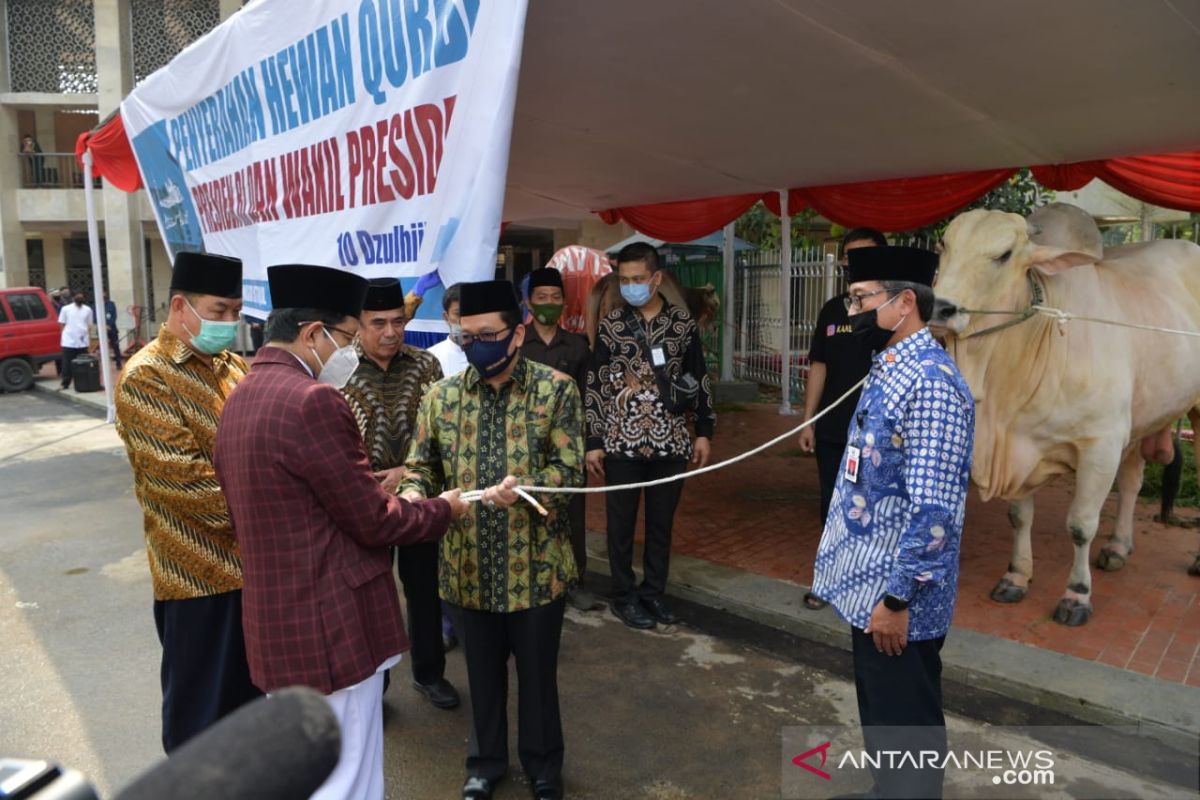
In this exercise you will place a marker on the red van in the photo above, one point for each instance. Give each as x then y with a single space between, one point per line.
29 336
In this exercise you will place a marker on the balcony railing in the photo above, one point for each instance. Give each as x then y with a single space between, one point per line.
51 171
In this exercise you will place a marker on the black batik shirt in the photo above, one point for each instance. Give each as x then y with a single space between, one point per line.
625 414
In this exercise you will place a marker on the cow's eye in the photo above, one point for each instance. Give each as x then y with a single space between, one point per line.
1000 259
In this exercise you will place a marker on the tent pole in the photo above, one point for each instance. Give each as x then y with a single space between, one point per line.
785 290
98 284
727 308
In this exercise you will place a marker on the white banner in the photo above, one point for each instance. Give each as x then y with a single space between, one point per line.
370 135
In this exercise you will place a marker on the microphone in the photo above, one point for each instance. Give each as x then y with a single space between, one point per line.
281 747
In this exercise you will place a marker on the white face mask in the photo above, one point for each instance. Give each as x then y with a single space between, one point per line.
341 365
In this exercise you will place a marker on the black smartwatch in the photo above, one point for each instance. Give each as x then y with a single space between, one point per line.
894 603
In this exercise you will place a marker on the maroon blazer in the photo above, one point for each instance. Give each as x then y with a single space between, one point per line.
319 604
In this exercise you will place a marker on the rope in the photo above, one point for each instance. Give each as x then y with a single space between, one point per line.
477 494
1063 317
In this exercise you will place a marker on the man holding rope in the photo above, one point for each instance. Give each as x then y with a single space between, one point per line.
505 419
888 559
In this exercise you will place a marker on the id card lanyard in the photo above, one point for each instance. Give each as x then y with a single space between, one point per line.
854 449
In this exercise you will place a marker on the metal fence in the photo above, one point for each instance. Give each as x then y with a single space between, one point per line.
51 171
760 313
815 277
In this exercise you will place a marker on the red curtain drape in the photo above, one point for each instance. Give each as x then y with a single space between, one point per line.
684 221
1169 179
112 157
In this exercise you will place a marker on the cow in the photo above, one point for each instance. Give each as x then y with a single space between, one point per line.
1055 395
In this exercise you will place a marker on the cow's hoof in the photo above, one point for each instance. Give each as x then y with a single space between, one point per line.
1008 592
1111 559
1194 569
1072 613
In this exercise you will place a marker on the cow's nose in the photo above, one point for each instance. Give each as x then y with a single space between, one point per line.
944 309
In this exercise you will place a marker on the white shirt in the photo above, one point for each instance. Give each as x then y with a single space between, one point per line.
75 321
450 356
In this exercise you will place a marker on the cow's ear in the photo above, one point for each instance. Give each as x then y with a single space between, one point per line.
1052 260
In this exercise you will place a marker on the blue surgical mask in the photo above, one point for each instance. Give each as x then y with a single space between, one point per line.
214 336
491 358
636 294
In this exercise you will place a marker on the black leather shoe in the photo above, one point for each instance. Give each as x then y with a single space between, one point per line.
547 790
477 788
658 609
633 615
441 693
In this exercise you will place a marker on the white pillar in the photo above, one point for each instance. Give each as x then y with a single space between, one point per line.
785 284
123 245
727 307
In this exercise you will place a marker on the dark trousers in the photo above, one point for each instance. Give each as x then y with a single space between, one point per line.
69 353
204 671
417 565
531 637
114 344
900 705
622 509
577 512
829 459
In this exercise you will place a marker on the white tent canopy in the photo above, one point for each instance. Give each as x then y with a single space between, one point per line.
628 102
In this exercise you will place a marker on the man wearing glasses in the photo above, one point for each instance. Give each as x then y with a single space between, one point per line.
383 394
315 528
836 361
888 557
505 420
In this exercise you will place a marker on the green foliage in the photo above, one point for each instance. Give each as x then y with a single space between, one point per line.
1020 194
761 228
1189 491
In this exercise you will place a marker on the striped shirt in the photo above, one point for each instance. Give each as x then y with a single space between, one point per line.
897 529
168 402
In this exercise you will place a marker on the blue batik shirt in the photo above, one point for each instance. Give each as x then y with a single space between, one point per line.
896 530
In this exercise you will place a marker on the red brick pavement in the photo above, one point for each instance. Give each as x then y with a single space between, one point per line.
762 516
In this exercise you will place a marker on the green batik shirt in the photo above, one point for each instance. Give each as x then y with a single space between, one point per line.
469 436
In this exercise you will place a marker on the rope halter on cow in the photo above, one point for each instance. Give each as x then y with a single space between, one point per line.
1038 296
1035 307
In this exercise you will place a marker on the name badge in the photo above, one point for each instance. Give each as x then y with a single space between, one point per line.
657 357
852 457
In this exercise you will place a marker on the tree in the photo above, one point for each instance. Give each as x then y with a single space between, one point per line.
1020 194
761 228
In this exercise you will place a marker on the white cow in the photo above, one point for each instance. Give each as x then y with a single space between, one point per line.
1056 397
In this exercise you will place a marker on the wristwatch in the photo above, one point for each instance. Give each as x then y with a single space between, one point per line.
894 603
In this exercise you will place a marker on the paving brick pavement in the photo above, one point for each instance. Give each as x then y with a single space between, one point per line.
762 516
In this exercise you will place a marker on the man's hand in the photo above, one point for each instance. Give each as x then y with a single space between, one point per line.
501 495
389 479
808 440
595 463
889 629
458 506
412 496
701 448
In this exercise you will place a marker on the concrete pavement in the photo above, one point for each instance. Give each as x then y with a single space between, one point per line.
694 711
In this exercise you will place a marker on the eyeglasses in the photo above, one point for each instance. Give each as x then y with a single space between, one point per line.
854 301
468 339
353 337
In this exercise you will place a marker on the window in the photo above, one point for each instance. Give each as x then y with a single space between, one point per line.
27 306
3 313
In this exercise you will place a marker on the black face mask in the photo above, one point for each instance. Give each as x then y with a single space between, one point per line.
865 328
